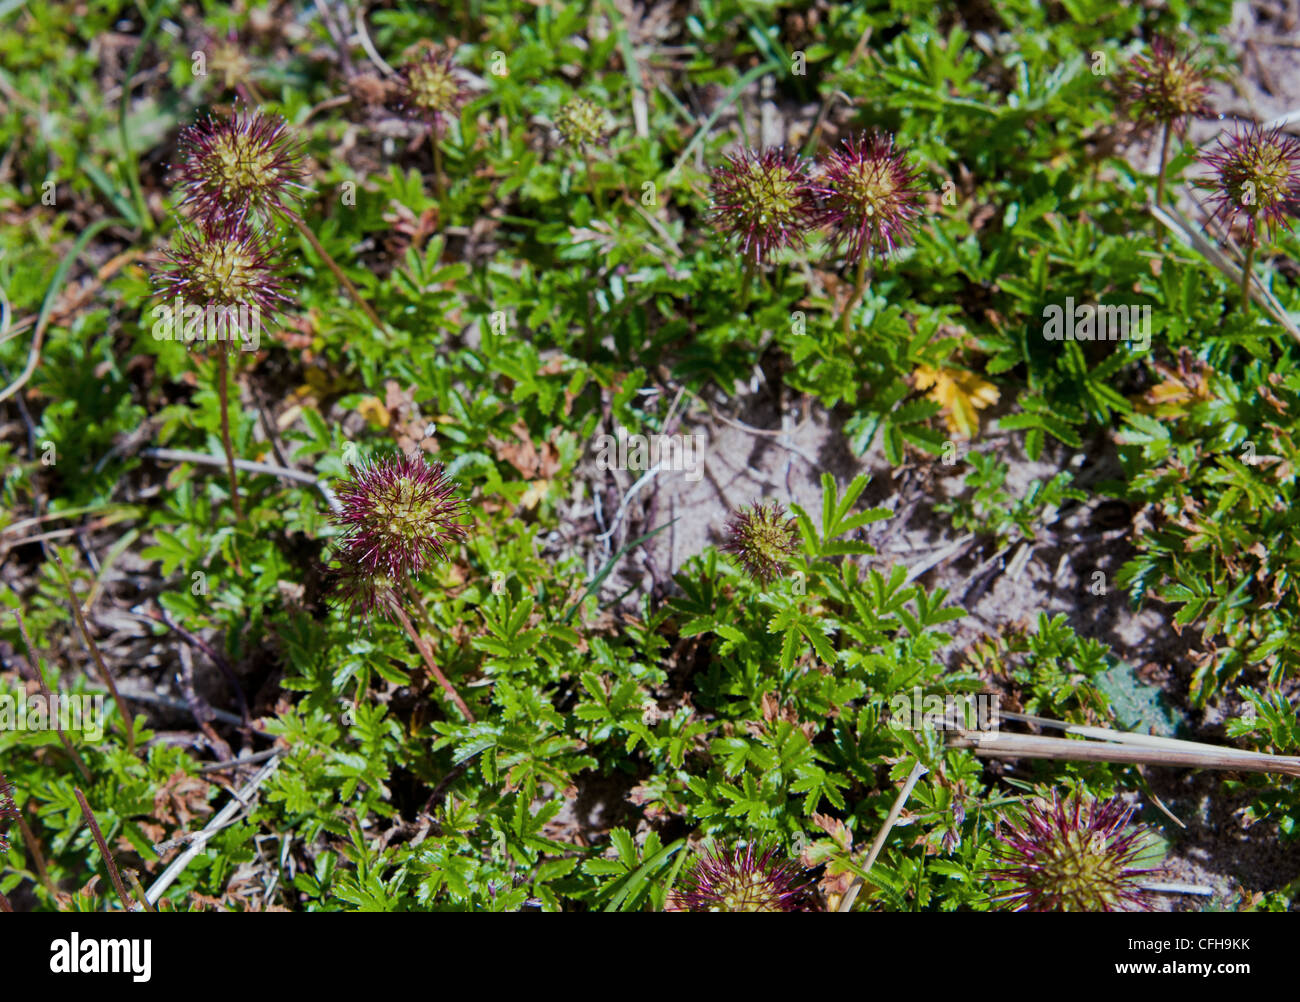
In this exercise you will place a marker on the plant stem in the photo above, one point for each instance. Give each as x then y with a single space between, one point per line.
223 393
104 673
103 851
140 892
38 857
418 606
427 655
249 94
746 284
35 665
858 288
437 160
1245 273
596 200
346 282
589 341
1164 154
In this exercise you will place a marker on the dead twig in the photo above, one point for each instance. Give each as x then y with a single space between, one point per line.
935 558
239 802
185 456
627 499
1200 890
234 763
217 659
363 36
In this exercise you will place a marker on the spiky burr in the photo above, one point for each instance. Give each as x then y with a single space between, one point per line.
742 880
1072 855
763 537
764 201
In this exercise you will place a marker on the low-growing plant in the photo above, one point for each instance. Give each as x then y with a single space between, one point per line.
468 673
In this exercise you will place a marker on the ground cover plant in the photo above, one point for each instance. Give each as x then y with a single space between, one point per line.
714 456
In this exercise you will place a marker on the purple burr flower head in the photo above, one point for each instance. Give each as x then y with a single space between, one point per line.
1163 88
762 538
398 516
431 86
765 200
871 196
226 263
247 162
740 880
1071 856
8 811
225 271
365 592
1256 178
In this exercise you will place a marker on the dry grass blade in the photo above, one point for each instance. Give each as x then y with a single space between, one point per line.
1125 737
990 745
851 895
47 304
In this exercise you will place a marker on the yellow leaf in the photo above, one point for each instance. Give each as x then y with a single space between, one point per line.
1184 384
960 393
1172 398
536 492
374 411
924 377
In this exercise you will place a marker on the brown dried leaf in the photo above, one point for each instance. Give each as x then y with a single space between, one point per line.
835 828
